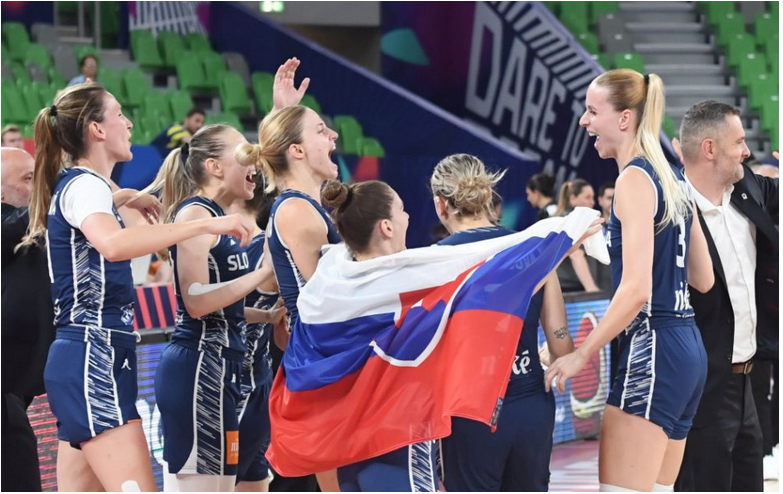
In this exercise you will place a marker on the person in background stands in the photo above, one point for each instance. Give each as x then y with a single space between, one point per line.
178 134
89 69
540 192
12 137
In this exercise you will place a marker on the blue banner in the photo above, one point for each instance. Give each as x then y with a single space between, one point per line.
509 68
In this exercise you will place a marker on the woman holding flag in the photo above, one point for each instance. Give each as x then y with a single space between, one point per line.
385 351
516 456
657 250
294 154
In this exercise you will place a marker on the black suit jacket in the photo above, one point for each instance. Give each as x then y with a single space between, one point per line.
27 313
755 197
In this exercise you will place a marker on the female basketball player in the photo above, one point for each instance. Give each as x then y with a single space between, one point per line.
516 456
198 379
91 372
294 154
657 250
254 474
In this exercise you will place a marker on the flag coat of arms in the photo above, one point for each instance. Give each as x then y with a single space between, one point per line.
386 351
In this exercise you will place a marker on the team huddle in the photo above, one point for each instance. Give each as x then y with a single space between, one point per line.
243 226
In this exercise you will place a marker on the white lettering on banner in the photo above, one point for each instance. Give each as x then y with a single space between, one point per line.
475 103
528 84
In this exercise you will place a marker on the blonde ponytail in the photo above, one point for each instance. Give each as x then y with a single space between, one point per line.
648 141
644 95
252 155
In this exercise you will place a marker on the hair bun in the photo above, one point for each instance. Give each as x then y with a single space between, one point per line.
335 194
248 154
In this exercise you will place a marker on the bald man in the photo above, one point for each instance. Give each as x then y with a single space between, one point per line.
27 329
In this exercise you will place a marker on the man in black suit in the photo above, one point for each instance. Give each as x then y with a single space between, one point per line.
724 447
27 325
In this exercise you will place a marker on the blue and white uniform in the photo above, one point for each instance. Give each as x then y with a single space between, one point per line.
516 456
256 381
90 374
289 279
197 385
663 365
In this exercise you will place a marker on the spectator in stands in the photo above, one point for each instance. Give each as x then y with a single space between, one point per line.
12 137
605 196
178 134
27 317
738 318
577 272
89 68
540 194
603 273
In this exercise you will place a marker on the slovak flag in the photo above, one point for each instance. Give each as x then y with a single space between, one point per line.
386 351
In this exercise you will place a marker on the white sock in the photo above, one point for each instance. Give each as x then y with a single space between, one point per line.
613 488
662 488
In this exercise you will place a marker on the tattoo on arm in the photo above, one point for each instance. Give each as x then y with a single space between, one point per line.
561 333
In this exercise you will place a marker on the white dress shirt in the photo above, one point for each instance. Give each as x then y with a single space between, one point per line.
735 238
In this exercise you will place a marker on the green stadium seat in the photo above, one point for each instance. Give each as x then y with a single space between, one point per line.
151 121
233 94
14 108
198 42
145 49
669 127
739 47
603 60
729 27
309 101
157 102
227 118
214 68
32 99
136 87
47 92
716 10
171 46
629 61
350 132
761 88
774 9
750 68
56 78
589 41
766 26
16 39
20 73
369 146
28 131
38 55
597 9
770 114
180 103
263 82
112 81
574 16
190 73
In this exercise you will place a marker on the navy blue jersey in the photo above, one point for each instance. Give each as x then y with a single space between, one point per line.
86 288
227 261
289 279
669 298
527 375
257 359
